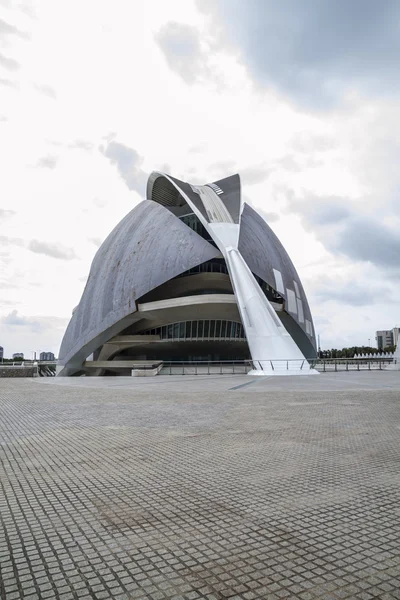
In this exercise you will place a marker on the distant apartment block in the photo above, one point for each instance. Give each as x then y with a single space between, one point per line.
387 337
1 352
46 356
17 355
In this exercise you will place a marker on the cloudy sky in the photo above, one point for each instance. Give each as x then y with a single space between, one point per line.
300 98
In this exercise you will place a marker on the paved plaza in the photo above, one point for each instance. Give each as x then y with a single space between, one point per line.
208 487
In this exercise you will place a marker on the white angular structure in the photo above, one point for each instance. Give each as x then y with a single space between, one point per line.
396 359
194 274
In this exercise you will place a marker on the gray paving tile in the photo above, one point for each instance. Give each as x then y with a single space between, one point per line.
182 493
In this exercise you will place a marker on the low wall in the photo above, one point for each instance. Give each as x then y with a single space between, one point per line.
17 371
225 369
146 372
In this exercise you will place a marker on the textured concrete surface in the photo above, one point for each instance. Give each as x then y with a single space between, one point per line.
263 252
187 488
120 275
17 371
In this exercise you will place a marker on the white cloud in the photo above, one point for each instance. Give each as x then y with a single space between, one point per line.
53 250
106 84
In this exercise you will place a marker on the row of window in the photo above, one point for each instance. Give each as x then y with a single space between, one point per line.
211 266
269 291
194 223
207 329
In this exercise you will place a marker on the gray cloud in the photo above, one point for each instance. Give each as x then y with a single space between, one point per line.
53 250
6 241
314 51
78 144
305 142
46 90
5 213
47 162
270 217
96 241
9 83
13 318
7 29
198 149
344 228
100 202
366 239
223 167
254 175
128 163
9 63
321 210
81 145
180 44
35 324
352 293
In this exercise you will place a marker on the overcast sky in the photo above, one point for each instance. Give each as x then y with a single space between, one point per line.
300 97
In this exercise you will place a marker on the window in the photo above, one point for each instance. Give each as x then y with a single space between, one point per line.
218 329
212 329
206 329
223 329
202 329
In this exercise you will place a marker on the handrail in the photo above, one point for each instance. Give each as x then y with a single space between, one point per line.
238 367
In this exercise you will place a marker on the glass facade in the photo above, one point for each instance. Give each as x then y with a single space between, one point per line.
193 222
199 330
216 265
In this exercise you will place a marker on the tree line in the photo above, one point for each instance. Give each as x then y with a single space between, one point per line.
351 352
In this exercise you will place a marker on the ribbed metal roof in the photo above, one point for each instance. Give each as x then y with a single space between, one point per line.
162 191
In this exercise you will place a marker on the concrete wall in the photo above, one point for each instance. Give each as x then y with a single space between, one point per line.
17 371
146 249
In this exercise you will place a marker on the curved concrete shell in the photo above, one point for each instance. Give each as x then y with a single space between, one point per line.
267 258
146 249
190 254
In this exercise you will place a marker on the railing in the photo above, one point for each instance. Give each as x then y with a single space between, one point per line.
350 364
40 369
203 367
240 367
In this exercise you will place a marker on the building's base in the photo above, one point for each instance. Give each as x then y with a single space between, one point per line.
392 367
281 372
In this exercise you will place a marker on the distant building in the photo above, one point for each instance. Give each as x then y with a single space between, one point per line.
18 355
1 352
46 356
387 337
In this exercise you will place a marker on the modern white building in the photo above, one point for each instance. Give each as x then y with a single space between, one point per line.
192 273
387 337
46 356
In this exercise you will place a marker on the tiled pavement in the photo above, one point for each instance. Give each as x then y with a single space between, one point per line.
154 493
